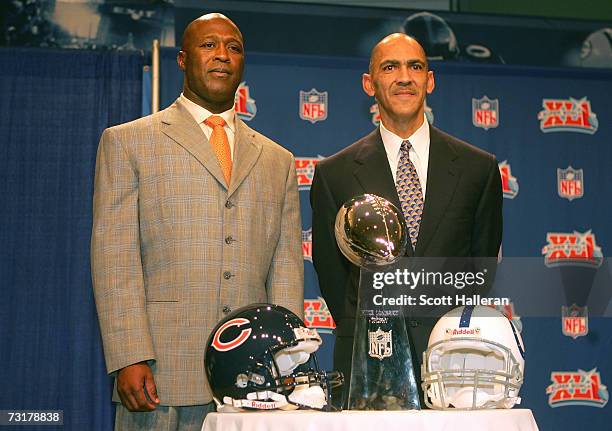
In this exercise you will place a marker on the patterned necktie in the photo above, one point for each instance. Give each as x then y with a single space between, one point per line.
409 192
220 144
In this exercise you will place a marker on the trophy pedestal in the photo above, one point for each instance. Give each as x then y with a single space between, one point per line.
382 376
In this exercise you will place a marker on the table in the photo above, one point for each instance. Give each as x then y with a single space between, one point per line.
413 420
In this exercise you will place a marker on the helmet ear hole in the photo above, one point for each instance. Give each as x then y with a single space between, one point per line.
287 361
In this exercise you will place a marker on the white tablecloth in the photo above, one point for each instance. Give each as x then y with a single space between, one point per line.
304 420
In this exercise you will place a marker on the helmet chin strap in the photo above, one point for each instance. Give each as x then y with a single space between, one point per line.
310 396
492 401
302 395
256 400
508 403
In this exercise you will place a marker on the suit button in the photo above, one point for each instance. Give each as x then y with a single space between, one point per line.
227 275
228 204
226 309
229 240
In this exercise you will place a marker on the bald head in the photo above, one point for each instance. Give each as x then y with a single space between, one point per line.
395 41
195 27
399 78
212 57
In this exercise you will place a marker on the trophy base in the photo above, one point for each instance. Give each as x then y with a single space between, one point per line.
382 376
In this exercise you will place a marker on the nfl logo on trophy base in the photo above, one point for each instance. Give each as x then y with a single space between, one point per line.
382 373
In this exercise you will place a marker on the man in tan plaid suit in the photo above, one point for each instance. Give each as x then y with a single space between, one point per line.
178 242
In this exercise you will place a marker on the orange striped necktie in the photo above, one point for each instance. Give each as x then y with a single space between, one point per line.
220 144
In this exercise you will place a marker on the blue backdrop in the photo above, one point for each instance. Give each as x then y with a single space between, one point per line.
539 123
56 103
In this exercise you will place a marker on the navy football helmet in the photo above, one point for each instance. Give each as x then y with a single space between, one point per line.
261 357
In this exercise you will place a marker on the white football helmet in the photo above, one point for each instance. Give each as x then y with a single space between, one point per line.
475 360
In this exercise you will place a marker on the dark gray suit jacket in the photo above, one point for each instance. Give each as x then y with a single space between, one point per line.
462 217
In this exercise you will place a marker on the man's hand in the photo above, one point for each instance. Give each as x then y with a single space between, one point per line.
136 388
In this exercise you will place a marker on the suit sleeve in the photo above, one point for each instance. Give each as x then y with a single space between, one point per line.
285 282
116 260
488 220
331 266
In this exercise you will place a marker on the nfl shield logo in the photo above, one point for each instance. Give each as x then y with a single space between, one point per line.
485 113
313 105
569 183
381 345
574 321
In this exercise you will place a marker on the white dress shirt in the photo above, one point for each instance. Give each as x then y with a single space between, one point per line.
200 114
419 152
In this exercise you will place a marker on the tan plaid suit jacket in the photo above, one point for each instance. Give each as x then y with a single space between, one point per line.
173 248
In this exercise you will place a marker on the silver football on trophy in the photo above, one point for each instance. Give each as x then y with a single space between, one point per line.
371 232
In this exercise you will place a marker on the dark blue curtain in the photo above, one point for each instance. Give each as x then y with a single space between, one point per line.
54 106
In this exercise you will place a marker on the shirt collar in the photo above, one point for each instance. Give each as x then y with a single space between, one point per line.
419 140
200 113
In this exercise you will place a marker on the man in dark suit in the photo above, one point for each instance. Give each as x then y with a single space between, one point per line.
454 208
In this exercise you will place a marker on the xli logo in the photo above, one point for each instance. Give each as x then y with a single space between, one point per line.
305 167
243 104
317 315
510 185
572 249
581 388
567 115
375 114
307 244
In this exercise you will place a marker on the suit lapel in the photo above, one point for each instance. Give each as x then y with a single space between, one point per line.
373 173
442 179
246 152
179 125
372 170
